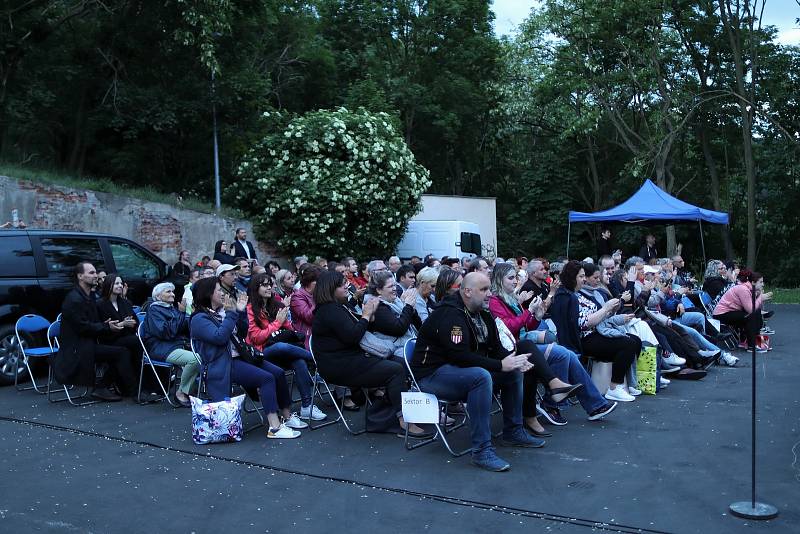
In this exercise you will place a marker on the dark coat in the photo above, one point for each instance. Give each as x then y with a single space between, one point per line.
107 311
165 329
212 341
337 333
80 328
448 337
387 322
564 312
239 252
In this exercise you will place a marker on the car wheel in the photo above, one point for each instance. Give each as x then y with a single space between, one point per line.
10 360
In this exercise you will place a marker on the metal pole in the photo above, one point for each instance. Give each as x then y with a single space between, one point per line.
702 242
569 227
217 203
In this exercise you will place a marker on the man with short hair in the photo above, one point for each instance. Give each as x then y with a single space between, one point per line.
79 350
648 250
298 261
242 275
608 264
226 274
394 264
406 278
244 248
683 276
208 272
537 282
376 266
459 357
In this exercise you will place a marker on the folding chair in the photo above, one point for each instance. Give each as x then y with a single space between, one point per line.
53 333
727 336
137 309
254 409
408 352
31 324
316 391
147 360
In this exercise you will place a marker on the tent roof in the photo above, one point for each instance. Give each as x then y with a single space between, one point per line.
651 202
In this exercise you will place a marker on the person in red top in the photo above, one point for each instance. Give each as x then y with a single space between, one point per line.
270 331
736 305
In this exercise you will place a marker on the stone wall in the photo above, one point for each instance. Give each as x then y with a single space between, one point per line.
163 228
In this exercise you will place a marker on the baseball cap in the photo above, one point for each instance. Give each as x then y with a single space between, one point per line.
651 269
225 267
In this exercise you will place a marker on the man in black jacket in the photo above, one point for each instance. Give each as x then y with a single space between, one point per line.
458 356
79 349
244 248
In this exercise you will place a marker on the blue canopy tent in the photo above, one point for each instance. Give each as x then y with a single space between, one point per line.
651 203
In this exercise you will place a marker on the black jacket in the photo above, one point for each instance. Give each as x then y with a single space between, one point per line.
449 337
647 253
239 251
387 322
80 328
714 285
564 312
107 311
336 334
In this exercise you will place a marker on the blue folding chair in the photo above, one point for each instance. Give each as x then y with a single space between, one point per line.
53 333
146 360
441 433
137 309
31 325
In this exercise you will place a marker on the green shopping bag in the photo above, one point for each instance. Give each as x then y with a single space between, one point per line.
646 367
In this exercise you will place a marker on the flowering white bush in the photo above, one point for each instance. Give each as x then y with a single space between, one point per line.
332 183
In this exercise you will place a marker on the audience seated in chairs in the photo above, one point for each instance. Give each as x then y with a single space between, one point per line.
576 318
81 326
213 326
166 336
735 308
112 306
302 303
426 282
554 366
459 357
395 320
271 332
337 332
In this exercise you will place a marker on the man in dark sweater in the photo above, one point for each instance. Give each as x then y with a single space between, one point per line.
648 250
459 357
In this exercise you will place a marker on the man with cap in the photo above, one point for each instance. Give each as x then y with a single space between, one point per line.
227 274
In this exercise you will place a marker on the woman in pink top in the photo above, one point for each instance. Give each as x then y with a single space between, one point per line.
302 305
736 306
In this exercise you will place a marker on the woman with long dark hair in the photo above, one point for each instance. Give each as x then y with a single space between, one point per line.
113 306
448 283
736 308
270 331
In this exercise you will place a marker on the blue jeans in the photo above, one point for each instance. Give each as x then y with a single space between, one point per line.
288 355
698 338
474 385
566 366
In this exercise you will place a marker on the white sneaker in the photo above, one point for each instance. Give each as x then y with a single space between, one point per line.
674 359
729 359
294 422
669 370
282 432
312 412
664 382
708 353
633 391
619 394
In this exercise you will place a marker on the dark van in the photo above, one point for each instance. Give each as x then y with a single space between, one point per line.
36 273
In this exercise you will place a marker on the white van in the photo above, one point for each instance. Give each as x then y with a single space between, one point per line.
455 239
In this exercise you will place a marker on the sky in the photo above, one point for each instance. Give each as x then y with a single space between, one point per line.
780 13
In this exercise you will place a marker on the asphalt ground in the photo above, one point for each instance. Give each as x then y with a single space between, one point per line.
669 463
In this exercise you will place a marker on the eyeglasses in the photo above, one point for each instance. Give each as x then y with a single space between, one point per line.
266 284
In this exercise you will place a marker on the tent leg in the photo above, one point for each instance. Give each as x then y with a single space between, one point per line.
569 228
702 242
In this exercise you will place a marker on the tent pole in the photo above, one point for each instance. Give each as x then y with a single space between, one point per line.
569 228
702 242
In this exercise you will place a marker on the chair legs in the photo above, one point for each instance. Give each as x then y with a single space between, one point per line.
164 390
41 389
318 391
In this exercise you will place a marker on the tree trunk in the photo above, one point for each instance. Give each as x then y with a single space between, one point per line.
711 165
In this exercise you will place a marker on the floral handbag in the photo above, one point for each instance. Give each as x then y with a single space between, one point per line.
216 422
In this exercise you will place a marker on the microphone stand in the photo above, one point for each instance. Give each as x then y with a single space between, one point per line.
752 509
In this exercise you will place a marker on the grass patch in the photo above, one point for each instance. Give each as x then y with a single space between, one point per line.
106 185
786 296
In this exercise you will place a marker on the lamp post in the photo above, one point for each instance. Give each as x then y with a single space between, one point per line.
217 203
